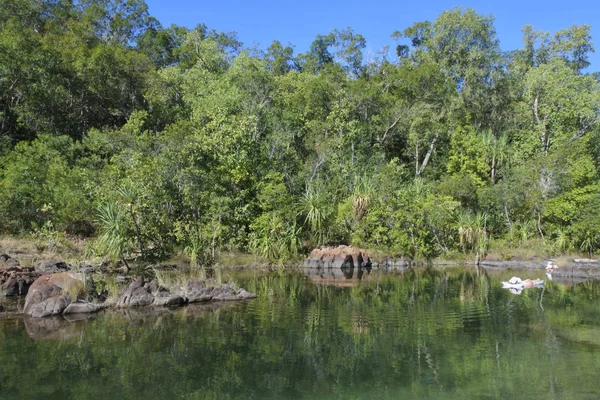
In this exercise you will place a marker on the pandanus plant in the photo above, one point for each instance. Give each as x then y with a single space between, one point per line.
361 196
114 239
316 210
472 232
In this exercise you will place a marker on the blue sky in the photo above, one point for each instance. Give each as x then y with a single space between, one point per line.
299 22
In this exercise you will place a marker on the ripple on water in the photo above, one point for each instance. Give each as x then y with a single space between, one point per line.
473 317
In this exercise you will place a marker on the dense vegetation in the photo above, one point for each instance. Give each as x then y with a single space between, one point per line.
150 138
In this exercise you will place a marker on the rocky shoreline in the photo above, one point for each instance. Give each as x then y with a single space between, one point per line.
346 261
55 288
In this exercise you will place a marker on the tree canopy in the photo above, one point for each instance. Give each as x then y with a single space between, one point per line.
185 138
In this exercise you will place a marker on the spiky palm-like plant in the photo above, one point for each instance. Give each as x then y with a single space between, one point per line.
589 244
497 149
361 196
113 241
314 207
472 233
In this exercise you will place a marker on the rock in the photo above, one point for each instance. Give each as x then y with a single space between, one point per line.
122 278
243 294
81 307
198 291
137 294
54 305
103 267
8 261
16 281
170 300
141 293
52 266
338 257
86 269
51 294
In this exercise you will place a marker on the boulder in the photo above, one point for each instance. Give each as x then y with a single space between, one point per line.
170 300
8 261
54 305
344 257
16 280
53 294
51 266
142 293
199 291
137 294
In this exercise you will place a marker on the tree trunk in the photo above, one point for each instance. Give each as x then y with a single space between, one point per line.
137 230
429 153
542 124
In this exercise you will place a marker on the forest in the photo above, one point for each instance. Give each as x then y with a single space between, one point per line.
146 140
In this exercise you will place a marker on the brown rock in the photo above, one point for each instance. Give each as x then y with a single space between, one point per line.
16 280
51 294
340 256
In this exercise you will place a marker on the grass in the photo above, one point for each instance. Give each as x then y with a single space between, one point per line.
233 258
530 249
114 289
29 250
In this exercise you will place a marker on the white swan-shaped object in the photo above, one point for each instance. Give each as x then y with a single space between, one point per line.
518 283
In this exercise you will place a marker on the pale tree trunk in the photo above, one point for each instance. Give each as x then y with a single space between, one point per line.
417 159
429 153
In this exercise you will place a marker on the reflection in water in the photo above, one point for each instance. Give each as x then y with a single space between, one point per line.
344 276
423 333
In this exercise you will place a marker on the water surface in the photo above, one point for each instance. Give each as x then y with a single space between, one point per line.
438 334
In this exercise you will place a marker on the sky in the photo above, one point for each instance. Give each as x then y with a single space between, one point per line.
299 22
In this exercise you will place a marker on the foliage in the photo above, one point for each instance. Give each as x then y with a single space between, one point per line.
153 139
114 239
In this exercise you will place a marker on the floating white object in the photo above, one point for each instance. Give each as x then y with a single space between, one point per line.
518 283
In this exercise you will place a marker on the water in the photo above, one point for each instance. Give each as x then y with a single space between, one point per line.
435 334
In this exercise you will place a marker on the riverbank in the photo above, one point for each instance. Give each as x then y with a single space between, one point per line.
23 261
